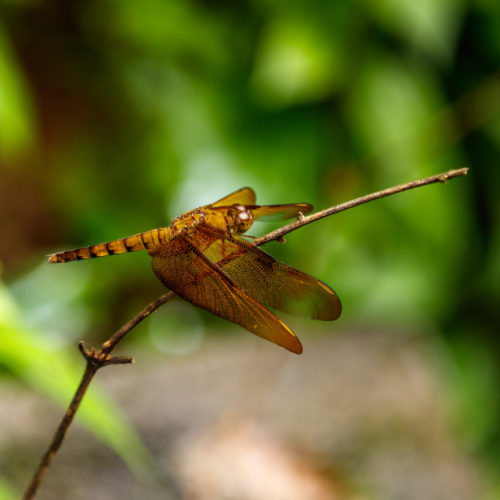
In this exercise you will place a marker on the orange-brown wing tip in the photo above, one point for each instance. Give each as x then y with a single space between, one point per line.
334 312
305 208
290 341
292 344
331 308
297 348
339 309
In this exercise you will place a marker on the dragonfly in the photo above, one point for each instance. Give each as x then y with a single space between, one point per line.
204 257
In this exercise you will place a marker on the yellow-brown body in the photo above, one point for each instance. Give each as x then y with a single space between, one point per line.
231 219
202 258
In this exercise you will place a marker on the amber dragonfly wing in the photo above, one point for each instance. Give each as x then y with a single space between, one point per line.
246 196
269 281
184 268
279 212
243 196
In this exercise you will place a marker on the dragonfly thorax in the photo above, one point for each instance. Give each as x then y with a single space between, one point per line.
235 219
188 222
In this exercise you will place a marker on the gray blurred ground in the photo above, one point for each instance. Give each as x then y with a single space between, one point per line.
360 415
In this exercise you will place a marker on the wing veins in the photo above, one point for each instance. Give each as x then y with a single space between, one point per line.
271 327
269 281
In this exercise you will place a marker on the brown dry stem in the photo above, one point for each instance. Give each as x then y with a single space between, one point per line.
95 360
102 357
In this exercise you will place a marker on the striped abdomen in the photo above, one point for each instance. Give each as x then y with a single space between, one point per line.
142 241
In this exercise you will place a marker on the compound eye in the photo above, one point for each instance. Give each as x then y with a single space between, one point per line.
243 219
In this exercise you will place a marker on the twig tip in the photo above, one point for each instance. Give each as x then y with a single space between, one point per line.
453 173
83 349
119 360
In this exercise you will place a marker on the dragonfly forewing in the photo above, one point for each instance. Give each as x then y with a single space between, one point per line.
187 271
268 280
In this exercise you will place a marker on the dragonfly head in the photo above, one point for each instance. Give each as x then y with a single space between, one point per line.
242 217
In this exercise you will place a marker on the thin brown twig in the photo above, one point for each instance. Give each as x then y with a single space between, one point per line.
95 360
61 431
302 220
102 357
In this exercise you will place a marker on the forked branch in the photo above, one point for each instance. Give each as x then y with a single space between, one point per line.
95 360
102 357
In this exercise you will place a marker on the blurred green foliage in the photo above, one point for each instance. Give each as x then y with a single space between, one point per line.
30 355
116 116
6 492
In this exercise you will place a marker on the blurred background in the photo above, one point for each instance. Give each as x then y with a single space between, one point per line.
116 116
